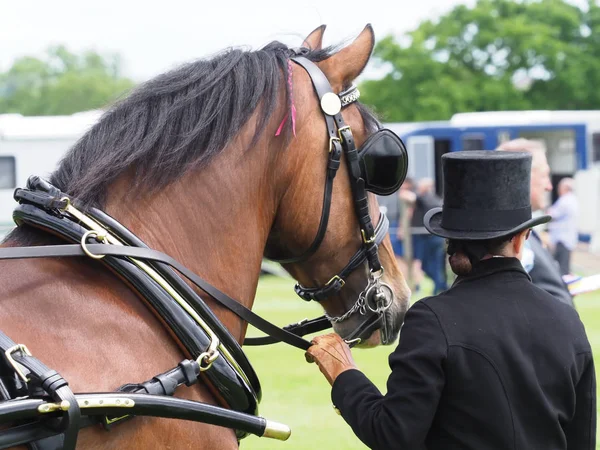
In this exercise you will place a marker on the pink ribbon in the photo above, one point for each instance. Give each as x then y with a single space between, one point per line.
293 108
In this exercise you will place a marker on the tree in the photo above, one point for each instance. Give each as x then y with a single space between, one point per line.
498 55
61 83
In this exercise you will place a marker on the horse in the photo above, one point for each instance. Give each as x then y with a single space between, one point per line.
217 163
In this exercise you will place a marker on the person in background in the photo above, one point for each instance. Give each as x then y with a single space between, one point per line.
492 363
395 206
537 260
390 205
563 228
407 198
428 249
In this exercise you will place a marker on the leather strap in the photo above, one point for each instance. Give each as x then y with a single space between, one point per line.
41 437
333 165
301 328
366 327
336 283
361 204
186 291
322 87
357 183
192 337
50 382
154 255
186 372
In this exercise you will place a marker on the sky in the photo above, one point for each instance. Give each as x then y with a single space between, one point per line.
153 39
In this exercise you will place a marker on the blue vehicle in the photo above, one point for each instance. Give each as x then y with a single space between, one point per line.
571 138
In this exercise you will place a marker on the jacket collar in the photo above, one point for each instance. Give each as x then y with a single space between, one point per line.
490 266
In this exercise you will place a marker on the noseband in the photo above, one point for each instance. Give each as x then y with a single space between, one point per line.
377 296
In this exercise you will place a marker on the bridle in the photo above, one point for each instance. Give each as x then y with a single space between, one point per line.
377 296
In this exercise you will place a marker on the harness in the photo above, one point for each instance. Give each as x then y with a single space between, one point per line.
37 401
379 166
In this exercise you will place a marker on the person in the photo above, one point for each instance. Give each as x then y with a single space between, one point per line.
494 362
537 259
407 199
563 228
395 206
428 248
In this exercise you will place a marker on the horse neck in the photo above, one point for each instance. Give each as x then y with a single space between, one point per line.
214 221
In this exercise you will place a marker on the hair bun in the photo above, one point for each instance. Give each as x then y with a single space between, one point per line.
460 264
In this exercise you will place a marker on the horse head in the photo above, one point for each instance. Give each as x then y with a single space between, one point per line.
322 254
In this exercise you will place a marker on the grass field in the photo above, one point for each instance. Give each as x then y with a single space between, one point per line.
295 392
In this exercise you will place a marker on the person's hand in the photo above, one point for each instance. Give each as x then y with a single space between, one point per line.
332 355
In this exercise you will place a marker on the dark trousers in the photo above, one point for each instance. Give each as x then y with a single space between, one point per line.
563 256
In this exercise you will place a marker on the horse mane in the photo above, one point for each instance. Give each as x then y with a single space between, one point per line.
178 121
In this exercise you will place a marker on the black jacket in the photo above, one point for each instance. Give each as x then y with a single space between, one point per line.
546 273
492 363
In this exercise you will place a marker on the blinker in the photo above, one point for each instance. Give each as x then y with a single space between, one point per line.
383 162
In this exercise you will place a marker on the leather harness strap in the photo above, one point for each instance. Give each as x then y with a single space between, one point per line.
191 296
151 398
48 251
37 375
301 328
336 283
333 164
340 140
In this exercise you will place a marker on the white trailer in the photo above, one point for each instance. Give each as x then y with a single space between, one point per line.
34 146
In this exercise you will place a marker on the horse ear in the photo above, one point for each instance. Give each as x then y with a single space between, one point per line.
346 65
314 40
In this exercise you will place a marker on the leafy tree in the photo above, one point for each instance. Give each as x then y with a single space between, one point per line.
61 83
497 55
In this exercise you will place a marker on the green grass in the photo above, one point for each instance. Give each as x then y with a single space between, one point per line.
296 394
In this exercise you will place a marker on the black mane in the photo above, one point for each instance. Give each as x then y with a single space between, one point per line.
178 121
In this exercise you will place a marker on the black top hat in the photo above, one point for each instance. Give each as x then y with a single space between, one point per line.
486 196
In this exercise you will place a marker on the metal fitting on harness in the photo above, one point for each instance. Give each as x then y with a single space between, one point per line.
8 354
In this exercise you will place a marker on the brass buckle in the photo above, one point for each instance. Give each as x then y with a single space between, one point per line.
364 236
67 201
334 278
346 127
331 139
101 236
206 360
51 407
15 365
